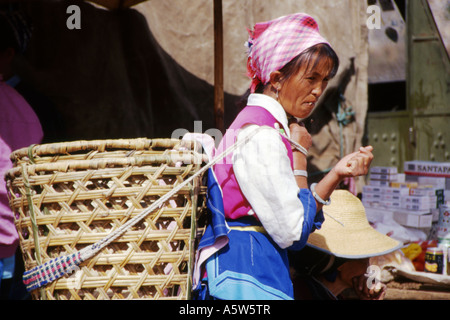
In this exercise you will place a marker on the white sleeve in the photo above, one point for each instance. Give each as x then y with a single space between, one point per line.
263 171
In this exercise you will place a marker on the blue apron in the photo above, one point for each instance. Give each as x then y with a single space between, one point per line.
251 266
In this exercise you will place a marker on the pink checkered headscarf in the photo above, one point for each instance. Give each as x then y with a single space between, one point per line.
275 43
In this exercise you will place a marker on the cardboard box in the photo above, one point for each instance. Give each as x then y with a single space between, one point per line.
391 197
371 203
392 204
383 170
408 184
425 191
371 189
379 183
384 177
394 190
408 219
425 200
418 206
371 196
436 182
427 168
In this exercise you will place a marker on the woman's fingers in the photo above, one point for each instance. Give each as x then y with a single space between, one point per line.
359 162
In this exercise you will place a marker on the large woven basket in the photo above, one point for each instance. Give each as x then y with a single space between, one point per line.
81 191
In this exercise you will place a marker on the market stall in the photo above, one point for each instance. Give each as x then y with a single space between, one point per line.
126 73
412 206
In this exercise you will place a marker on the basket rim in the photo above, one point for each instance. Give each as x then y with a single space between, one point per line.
105 163
67 147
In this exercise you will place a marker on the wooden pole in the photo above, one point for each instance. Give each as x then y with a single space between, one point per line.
218 67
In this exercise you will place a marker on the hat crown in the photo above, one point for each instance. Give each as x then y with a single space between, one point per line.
347 209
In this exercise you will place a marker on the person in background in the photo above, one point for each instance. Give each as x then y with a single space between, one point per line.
15 35
337 257
265 205
19 127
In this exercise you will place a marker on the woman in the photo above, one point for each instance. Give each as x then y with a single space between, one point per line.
267 205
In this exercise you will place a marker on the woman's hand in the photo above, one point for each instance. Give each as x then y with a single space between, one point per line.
365 292
355 164
300 135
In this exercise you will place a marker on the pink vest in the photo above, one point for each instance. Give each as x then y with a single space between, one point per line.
235 203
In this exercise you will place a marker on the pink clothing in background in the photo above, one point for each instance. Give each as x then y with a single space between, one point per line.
19 127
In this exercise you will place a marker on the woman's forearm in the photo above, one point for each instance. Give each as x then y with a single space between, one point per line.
300 163
326 186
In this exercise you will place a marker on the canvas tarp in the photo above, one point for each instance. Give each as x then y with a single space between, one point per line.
149 69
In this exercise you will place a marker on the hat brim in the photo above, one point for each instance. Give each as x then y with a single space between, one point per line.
357 244
346 233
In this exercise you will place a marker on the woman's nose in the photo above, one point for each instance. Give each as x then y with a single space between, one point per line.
317 91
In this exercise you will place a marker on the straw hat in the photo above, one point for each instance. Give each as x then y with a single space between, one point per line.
355 239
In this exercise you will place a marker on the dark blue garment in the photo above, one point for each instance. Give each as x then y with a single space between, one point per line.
251 265
214 202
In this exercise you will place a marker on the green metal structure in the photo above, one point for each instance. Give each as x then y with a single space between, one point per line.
422 130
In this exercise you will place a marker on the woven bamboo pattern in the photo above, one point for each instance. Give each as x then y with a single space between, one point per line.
81 191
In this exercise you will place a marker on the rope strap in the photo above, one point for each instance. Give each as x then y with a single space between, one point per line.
58 267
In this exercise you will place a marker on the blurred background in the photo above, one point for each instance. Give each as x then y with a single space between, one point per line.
123 69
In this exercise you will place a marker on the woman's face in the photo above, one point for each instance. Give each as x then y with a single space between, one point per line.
299 93
352 269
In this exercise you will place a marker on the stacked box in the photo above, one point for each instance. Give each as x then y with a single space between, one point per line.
419 202
389 190
413 198
373 196
427 168
433 178
404 184
400 191
384 170
432 173
382 176
407 219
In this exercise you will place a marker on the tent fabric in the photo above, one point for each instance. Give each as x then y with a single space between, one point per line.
148 70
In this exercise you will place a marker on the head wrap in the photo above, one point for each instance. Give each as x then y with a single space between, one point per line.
273 44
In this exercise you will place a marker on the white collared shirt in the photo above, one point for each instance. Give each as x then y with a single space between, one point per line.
263 171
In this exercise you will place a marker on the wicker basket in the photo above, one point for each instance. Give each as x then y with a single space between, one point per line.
83 190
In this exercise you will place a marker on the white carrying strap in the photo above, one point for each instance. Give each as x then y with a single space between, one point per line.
45 273
90 251
94 248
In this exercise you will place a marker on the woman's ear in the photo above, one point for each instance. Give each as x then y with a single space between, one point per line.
275 80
